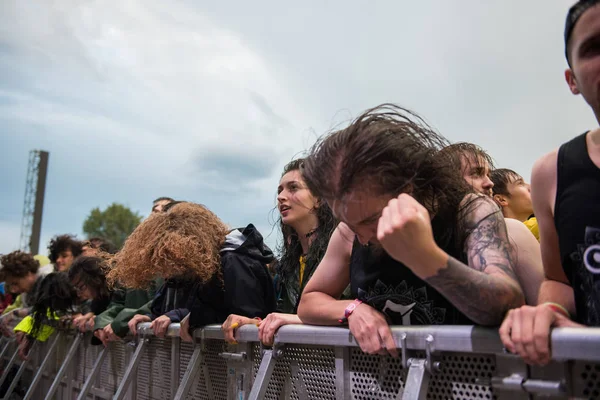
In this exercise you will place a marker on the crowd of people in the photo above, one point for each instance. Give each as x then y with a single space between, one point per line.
384 222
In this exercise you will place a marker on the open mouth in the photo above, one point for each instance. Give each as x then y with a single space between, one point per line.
284 208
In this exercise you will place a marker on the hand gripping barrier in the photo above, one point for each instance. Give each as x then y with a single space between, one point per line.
306 362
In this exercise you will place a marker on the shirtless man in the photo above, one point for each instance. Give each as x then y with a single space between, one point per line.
475 165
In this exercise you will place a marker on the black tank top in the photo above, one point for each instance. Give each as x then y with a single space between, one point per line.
577 221
392 288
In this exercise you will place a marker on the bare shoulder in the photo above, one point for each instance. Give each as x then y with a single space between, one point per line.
345 233
333 273
340 244
476 208
518 231
543 176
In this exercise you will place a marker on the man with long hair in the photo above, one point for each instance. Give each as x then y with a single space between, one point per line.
414 243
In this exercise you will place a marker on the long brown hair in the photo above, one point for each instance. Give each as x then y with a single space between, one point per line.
389 150
185 240
291 249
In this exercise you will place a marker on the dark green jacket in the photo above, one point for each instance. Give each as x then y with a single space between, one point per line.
125 303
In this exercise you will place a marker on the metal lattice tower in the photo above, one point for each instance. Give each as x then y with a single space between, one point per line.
33 206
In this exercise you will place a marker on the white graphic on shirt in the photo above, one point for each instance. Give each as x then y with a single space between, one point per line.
591 258
586 276
404 311
403 304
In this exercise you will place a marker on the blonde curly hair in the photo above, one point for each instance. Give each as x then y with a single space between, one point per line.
184 241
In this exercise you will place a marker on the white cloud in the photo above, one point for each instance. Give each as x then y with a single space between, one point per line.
10 234
207 101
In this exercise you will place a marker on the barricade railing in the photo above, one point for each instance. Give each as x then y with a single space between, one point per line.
306 362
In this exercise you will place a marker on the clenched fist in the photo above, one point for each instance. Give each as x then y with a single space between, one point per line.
405 233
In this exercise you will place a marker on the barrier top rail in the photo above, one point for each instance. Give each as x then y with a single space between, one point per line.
567 343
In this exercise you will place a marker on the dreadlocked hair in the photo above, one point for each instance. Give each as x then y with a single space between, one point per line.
291 249
184 241
53 297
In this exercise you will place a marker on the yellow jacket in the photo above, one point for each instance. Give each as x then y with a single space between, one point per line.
26 325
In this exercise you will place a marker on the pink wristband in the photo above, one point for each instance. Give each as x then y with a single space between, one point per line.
349 310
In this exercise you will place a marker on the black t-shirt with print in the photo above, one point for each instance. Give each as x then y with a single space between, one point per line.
392 288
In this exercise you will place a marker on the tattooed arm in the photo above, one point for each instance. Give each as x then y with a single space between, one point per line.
486 288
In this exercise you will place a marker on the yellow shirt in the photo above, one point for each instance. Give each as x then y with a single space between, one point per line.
532 224
302 267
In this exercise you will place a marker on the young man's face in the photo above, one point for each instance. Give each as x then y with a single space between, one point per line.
584 76
64 260
477 174
519 200
21 284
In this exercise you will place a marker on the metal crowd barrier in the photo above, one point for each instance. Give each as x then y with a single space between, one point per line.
306 362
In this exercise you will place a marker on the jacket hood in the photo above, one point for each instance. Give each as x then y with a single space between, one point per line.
248 241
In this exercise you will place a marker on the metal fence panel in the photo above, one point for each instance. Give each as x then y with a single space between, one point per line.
328 365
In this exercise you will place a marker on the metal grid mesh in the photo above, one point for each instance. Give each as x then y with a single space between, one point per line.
185 353
113 367
154 371
460 377
217 370
375 377
85 358
586 380
303 372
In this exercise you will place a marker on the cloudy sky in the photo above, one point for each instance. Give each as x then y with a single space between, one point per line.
206 101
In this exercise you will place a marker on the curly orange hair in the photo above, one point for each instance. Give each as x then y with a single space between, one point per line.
184 241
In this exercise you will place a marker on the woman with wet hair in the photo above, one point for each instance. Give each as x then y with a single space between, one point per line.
209 271
306 225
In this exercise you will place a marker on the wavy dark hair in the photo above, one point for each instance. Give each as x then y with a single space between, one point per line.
390 150
291 249
501 177
91 272
61 243
17 265
101 244
478 159
54 295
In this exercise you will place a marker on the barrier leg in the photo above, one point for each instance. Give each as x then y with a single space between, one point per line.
131 370
15 380
417 381
93 374
64 366
8 367
5 348
175 347
43 365
190 374
261 382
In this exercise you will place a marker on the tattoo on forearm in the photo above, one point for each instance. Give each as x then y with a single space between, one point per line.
488 245
473 289
481 297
